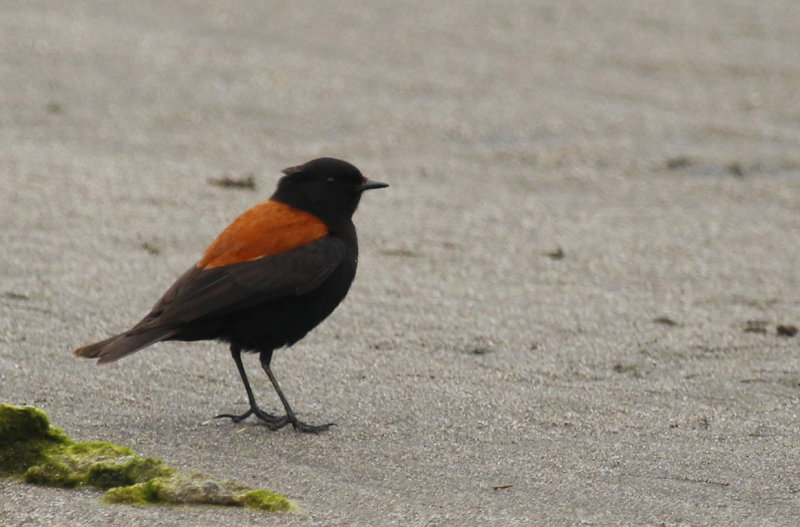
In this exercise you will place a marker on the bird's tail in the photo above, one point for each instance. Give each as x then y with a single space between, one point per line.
118 346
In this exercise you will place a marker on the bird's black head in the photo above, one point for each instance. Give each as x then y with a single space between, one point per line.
327 188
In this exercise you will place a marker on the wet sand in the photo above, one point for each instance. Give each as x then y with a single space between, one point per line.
573 288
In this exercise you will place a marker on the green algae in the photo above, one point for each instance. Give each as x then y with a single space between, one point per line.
183 488
265 500
34 451
97 464
26 437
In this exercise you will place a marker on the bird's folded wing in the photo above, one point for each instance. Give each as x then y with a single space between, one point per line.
206 293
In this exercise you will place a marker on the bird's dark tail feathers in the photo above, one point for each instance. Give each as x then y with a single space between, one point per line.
118 346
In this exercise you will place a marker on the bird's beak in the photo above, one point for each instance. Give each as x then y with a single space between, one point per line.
369 184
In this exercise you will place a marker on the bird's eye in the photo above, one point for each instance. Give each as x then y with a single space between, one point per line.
330 181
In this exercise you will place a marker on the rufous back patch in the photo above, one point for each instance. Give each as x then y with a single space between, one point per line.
268 228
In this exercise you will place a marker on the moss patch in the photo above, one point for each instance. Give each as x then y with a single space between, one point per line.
26 437
264 500
36 452
181 488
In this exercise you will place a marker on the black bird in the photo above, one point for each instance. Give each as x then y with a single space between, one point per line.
270 277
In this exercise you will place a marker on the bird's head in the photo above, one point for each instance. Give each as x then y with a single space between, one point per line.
326 187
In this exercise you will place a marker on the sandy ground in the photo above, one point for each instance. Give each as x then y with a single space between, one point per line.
657 144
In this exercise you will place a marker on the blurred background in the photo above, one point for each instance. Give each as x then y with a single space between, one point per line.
575 284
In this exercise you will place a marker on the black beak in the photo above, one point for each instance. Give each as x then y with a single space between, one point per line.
368 184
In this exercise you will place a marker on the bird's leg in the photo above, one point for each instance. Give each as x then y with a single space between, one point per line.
272 421
266 358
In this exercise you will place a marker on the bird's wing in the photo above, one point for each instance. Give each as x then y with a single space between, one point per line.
206 293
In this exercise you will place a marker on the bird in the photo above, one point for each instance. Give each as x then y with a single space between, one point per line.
268 279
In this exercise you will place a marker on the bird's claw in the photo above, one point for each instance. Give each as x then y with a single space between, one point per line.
310 429
235 418
273 422
269 419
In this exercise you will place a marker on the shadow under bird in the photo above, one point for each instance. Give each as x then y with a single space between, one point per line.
270 277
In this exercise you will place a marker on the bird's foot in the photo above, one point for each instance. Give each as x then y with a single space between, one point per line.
272 421
306 428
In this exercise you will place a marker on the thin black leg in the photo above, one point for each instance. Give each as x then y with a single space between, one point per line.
272 421
266 358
